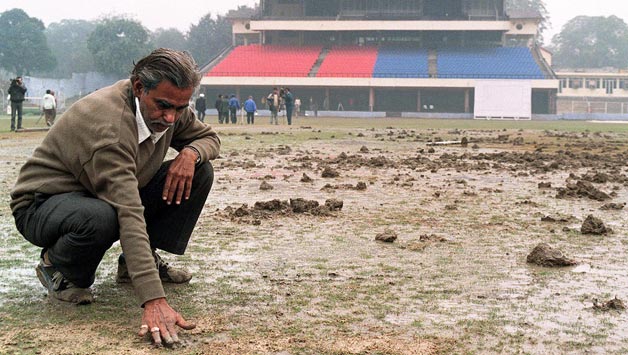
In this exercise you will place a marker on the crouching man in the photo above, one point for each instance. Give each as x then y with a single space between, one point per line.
99 176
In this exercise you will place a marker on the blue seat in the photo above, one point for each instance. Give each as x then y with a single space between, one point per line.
401 62
488 63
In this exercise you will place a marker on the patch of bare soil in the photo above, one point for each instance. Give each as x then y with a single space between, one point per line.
545 255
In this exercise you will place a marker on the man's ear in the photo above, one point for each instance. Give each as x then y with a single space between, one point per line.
138 88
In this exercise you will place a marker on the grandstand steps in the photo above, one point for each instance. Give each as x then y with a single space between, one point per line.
540 61
432 63
217 59
319 61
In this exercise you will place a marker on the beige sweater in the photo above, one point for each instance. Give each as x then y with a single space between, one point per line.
94 147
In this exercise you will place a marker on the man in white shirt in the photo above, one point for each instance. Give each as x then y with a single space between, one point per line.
49 106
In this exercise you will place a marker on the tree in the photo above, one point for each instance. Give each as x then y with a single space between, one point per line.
207 38
531 5
168 38
116 43
23 47
68 41
592 42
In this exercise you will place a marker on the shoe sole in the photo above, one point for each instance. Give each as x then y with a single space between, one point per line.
44 279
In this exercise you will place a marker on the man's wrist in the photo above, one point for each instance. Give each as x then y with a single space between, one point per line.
198 154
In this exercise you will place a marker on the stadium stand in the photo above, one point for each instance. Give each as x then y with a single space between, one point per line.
268 60
349 61
401 62
488 63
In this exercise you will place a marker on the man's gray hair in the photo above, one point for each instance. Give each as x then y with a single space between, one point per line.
167 64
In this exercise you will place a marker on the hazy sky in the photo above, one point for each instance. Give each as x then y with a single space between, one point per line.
181 13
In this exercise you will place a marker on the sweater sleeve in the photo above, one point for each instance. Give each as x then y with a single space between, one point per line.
111 172
190 131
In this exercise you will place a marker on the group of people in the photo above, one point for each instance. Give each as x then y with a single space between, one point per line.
17 96
281 98
227 107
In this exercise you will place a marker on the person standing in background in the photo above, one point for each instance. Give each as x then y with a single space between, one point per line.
234 106
273 105
289 102
17 90
48 105
218 107
297 107
200 106
250 107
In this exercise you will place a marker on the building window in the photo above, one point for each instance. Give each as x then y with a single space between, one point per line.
609 85
593 83
575 83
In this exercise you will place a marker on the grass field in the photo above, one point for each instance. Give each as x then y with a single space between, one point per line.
455 281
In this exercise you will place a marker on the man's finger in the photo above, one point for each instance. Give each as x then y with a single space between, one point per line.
166 194
165 335
156 336
184 324
188 188
180 190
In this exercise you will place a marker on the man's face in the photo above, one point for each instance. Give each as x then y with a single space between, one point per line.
162 106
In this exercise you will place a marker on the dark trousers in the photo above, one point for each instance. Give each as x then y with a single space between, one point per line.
250 117
289 110
234 115
77 229
201 115
16 107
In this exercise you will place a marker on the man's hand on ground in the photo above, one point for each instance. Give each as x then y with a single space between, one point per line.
179 179
160 319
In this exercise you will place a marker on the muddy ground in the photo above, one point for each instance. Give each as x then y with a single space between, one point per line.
275 276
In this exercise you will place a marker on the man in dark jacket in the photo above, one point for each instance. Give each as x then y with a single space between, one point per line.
17 90
224 108
218 107
201 106
289 102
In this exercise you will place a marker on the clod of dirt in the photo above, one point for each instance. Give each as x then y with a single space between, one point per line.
306 178
334 204
330 173
613 206
431 150
545 255
475 146
545 185
364 149
517 141
615 304
265 186
582 189
273 205
464 141
555 219
242 211
388 236
594 225
300 205
360 186
432 238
